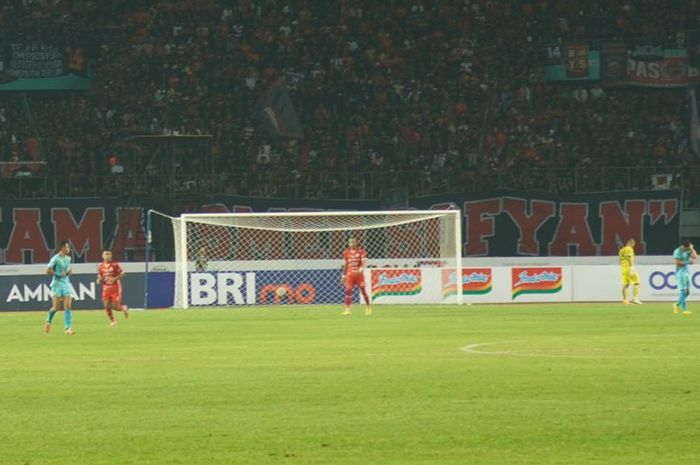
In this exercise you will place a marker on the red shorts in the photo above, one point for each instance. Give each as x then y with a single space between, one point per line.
354 279
113 293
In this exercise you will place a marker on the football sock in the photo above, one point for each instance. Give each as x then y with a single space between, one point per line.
52 313
364 294
681 299
624 293
109 313
635 292
348 297
68 318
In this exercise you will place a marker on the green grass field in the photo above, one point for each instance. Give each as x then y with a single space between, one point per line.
507 384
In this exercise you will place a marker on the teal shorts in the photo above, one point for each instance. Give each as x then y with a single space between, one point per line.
683 279
61 289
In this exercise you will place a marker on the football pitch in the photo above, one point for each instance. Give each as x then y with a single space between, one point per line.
435 385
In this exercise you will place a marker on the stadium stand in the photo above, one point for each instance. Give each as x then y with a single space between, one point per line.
437 96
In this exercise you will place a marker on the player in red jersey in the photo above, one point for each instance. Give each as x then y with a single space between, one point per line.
355 259
109 273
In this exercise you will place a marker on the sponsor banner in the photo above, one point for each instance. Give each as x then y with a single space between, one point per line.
233 288
475 281
535 280
32 292
657 283
577 61
661 282
508 284
395 282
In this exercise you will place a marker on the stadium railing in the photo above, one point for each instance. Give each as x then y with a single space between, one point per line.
355 184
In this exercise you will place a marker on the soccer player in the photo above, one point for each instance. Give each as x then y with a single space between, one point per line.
60 270
110 273
627 272
683 255
355 259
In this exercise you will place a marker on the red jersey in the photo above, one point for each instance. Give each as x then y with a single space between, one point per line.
109 270
354 260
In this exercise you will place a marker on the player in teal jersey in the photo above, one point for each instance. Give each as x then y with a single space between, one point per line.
682 256
60 270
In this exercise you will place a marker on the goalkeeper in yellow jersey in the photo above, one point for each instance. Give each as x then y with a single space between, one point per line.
627 272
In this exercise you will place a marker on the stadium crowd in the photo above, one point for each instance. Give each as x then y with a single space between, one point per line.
451 90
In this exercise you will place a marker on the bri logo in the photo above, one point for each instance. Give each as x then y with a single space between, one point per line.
474 281
396 282
535 280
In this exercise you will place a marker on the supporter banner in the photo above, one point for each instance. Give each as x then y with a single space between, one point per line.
666 72
35 65
648 52
518 223
67 82
613 63
577 60
502 223
30 230
515 223
276 112
566 71
40 60
553 54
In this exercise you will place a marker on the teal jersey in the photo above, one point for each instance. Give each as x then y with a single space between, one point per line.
60 263
683 256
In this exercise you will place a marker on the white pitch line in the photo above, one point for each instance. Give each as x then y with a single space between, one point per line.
474 349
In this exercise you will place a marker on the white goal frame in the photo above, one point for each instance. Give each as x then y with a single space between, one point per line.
182 259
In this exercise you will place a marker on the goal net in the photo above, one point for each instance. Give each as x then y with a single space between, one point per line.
296 258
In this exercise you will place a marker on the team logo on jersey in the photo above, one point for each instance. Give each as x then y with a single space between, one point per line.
535 280
396 282
474 281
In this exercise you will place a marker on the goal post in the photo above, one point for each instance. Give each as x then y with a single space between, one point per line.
231 259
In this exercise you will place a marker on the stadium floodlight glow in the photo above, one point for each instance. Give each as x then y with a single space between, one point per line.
231 259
